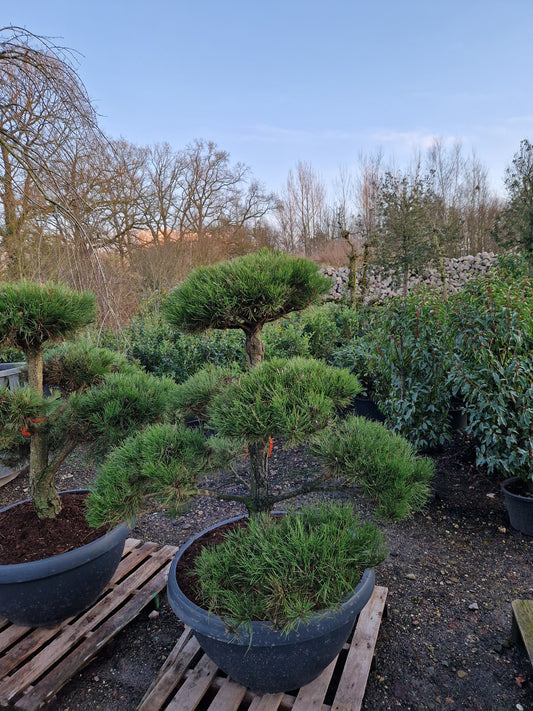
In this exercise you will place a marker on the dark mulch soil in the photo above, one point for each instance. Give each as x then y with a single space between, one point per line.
25 537
452 573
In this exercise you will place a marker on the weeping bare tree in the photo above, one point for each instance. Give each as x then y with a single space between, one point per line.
44 109
47 127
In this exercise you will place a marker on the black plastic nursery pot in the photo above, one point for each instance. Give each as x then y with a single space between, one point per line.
519 507
366 407
457 416
45 592
260 657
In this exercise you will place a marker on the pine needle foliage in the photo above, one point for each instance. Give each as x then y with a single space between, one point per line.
244 292
79 364
160 464
194 397
32 314
289 398
284 568
16 408
382 463
109 412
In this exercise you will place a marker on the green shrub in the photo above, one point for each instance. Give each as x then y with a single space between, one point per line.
492 323
330 326
163 351
286 338
407 355
283 569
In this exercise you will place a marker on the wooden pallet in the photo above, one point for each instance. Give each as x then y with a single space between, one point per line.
36 662
190 681
523 624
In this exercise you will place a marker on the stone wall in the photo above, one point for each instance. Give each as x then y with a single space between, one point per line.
381 285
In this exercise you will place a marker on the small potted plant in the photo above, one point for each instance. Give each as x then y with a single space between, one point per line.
47 575
289 401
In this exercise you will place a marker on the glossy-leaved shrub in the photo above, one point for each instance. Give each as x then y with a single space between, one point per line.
492 328
162 350
406 356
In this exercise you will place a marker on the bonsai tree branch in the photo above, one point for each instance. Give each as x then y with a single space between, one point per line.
64 452
238 477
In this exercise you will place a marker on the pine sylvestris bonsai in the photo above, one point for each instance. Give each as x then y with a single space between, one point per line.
295 401
96 395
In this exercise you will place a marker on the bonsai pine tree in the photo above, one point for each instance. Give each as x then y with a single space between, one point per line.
296 400
31 316
247 293
97 395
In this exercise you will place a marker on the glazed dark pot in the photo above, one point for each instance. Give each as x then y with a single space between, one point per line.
258 656
519 507
45 592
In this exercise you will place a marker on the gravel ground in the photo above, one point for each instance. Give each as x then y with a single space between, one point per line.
452 573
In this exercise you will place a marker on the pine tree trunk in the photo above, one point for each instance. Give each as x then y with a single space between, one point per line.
259 472
254 348
42 478
257 451
43 492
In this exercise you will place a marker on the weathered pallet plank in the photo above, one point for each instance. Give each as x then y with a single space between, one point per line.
523 624
194 688
182 687
38 662
229 696
63 671
132 560
351 689
70 634
266 702
171 672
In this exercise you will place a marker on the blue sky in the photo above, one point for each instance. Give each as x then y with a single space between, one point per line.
280 81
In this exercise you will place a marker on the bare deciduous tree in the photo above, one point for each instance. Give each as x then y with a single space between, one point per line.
303 208
46 114
163 193
44 108
208 184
